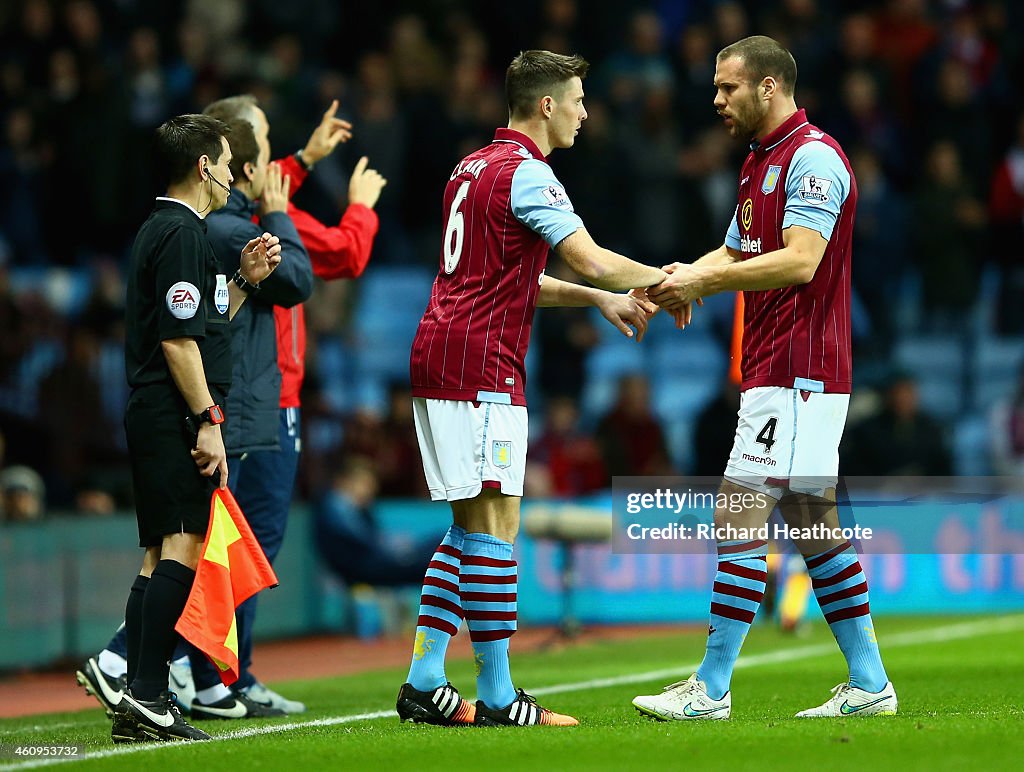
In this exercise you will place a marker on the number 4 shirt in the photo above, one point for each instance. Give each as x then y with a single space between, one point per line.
504 209
797 337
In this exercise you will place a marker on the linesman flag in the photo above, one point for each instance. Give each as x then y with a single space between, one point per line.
232 568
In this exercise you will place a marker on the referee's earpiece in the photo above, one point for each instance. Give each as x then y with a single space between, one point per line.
207 175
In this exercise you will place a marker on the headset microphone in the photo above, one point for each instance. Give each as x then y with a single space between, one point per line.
219 183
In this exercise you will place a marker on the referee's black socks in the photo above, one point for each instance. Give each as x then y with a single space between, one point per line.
165 598
133 623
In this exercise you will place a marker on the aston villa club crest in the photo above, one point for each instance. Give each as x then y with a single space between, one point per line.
501 454
771 179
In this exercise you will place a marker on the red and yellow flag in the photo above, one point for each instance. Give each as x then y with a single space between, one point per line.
232 568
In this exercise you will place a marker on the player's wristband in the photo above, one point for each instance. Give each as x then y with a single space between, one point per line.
244 284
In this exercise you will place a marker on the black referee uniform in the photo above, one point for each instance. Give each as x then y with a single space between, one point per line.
175 290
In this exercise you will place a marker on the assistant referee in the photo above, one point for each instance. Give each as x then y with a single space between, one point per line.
178 361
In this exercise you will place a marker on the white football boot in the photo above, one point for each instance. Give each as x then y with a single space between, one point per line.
847 700
684 701
263 695
180 683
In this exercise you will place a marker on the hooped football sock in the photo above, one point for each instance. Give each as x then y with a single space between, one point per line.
440 613
842 592
735 598
488 587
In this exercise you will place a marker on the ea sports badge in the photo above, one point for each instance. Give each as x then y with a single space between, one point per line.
221 298
182 300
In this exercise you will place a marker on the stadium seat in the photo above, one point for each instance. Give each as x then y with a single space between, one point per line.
380 287
995 371
66 290
691 356
386 360
941 398
971 452
937 363
387 310
21 395
679 439
930 354
606 364
390 302
334 367
369 393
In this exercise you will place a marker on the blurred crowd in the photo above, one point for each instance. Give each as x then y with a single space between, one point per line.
920 94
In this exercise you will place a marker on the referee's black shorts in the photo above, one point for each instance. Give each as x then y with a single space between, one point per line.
171 496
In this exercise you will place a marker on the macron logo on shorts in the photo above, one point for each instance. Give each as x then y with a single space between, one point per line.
183 300
765 460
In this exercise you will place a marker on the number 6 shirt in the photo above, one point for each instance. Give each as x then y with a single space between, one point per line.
504 209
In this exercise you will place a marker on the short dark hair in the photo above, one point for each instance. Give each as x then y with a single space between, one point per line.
764 57
534 74
181 140
232 108
244 148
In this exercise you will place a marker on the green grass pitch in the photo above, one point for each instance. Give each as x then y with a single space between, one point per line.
960 682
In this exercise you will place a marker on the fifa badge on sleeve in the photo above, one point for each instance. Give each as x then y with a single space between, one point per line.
220 296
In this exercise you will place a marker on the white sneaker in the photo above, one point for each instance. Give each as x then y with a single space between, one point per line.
684 701
847 700
180 683
264 695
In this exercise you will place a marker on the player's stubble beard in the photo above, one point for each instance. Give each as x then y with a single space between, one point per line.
747 118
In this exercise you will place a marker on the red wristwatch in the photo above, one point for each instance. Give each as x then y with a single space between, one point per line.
213 415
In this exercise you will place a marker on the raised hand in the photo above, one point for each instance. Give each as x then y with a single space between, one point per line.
365 185
276 189
260 257
326 136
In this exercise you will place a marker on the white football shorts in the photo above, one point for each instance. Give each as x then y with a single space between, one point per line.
469 446
787 440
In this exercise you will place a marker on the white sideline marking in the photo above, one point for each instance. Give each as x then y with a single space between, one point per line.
896 640
39 728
